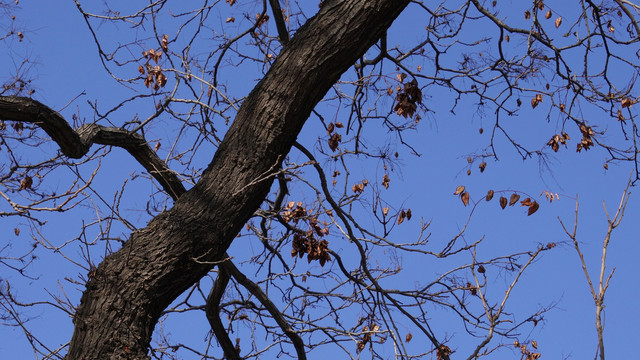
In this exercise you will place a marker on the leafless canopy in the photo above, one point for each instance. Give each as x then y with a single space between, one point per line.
239 80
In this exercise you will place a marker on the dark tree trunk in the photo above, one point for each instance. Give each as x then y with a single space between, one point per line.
123 301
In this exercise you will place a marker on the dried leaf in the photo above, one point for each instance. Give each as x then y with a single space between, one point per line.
408 214
16 231
401 77
533 208
465 198
548 14
330 128
503 202
164 43
489 195
339 125
627 103
534 344
527 15
482 166
536 100
385 211
385 181
459 190
506 38
513 199
26 183
558 22
157 147
401 217
481 269
408 337
230 20
526 202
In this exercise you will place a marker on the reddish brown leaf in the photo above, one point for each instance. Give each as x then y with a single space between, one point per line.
408 337
513 199
526 202
533 208
401 217
489 195
459 190
481 269
503 202
558 22
16 231
465 198
26 183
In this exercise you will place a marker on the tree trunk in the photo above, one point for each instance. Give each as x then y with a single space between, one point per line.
124 299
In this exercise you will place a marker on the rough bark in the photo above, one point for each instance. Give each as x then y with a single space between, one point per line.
123 301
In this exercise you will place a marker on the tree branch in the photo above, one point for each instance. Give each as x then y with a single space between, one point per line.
76 144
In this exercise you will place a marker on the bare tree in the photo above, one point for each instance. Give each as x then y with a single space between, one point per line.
178 261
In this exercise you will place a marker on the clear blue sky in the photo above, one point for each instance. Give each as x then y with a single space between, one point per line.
64 64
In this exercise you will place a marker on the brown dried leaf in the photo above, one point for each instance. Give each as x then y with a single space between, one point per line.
527 15
534 344
385 181
408 337
506 38
157 147
548 14
385 211
230 19
164 43
558 22
401 217
533 208
526 202
26 183
465 198
482 166
16 231
503 202
408 214
536 100
459 190
489 195
513 199
627 103
330 128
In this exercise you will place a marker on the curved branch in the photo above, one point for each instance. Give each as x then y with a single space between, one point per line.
76 144
212 310
229 267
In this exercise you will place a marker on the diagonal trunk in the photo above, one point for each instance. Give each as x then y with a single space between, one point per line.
123 301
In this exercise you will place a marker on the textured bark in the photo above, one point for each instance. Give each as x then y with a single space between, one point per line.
123 301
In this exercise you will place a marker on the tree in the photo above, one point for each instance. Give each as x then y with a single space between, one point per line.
247 182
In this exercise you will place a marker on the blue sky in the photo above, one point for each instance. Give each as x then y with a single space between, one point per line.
65 69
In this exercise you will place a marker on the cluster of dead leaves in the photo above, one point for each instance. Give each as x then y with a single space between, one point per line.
586 142
536 100
369 331
443 352
335 138
359 188
513 199
626 102
557 140
154 76
261 19
26 183
407 98
528 354
306 242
